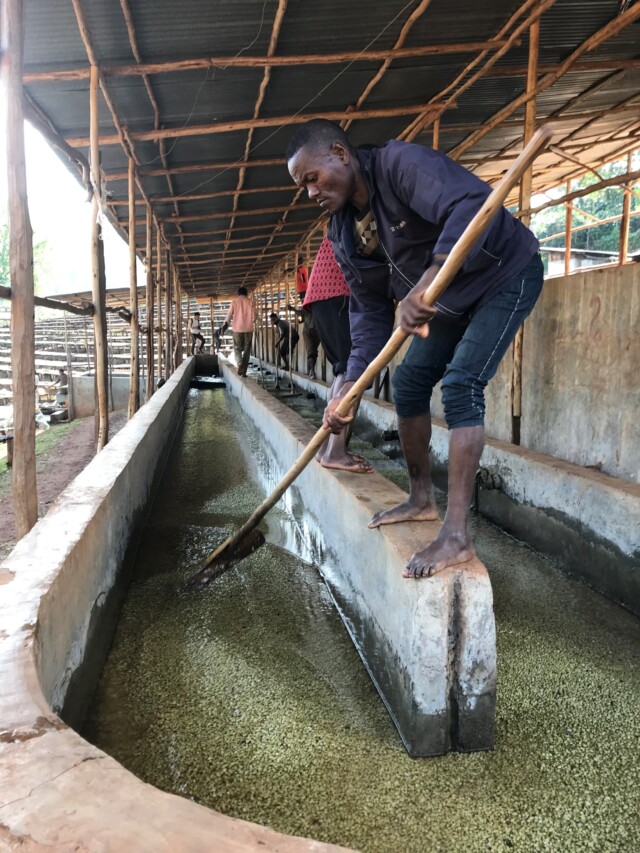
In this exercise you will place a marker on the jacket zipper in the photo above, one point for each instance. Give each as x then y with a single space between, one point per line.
392 266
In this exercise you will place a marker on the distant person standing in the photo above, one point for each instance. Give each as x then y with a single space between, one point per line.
241 318
196 333
309 335
282 344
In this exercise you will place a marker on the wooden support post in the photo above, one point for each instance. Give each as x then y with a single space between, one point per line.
159 300
626 216
168 368
149 301
525 202
178 319
98 279
188 324
134 368
25 497
568 228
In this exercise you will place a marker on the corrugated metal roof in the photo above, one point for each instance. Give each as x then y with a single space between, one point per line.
166 30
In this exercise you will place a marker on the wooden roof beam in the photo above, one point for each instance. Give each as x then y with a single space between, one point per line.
610 29
273 41
196 167
171 67
245 124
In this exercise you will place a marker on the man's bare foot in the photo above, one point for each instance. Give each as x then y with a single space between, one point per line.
445 550
406 511
346 462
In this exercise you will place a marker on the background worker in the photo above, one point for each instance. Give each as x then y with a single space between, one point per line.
309 335
282 344
396 213
241 318
196 333
327 298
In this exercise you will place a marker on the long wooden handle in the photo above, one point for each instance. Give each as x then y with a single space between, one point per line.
454 261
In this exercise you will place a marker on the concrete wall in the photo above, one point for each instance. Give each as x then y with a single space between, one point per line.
581 371
57 791
84 400
429 646
586 519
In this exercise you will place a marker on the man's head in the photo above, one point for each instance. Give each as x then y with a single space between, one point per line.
321 159
196 313
242 291
273 318
61 371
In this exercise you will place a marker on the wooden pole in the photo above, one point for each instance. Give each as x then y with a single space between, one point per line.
435 142
177 290
23 371
159 299
168 368
149 301
626 216
568 226
98 279
525 201
134 367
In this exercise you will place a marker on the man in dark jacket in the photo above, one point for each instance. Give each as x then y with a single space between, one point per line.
396 213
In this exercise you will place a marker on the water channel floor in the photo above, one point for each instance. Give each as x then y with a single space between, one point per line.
249 697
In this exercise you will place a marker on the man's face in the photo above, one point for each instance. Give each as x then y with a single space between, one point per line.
326 174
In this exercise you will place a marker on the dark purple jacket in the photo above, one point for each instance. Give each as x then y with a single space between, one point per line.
422 202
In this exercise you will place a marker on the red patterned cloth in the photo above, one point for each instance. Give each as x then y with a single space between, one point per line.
326 279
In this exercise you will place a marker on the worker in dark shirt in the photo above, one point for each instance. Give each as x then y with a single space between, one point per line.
283 345
396 213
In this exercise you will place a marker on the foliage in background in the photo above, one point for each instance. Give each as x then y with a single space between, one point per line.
40 259
602 204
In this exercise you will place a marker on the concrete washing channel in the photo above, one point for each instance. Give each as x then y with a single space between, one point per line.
429 648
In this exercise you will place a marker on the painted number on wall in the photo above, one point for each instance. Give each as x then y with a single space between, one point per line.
594 326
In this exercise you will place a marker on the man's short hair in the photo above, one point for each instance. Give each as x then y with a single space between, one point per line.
273 316
317 133
242 291
196 313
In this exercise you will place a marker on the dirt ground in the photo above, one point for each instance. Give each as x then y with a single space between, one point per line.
61 453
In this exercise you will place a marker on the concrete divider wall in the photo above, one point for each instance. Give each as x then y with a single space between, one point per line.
428 645
56 790
589 520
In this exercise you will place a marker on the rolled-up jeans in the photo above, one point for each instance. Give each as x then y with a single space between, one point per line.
465 354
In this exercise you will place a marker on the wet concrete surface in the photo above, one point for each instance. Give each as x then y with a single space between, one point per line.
250 698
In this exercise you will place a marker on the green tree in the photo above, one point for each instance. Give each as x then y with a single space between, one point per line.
602 204
40 259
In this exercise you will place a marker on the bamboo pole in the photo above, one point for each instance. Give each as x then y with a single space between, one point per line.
98 279
134 367
149 301
526 184
625 219
25 496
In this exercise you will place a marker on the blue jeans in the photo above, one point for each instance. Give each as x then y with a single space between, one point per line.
465 355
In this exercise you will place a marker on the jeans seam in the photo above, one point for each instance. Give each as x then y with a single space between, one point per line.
474 405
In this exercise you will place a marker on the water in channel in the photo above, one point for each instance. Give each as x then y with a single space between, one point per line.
249 697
